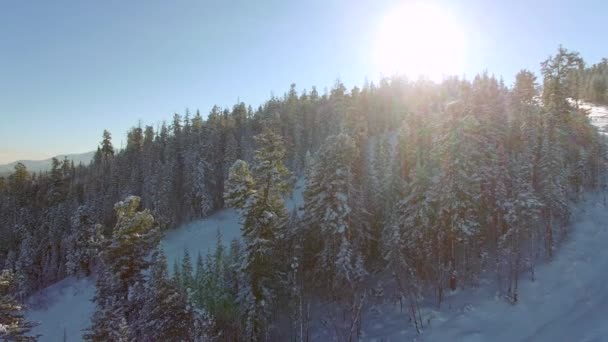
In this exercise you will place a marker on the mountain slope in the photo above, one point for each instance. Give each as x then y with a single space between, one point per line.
45 164
566 302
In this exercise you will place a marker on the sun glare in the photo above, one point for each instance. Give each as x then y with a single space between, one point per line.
420 39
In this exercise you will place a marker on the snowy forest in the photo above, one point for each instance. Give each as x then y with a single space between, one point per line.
412 189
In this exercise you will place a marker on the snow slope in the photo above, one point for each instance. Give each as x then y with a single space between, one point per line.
200 236
598 116
567 302
67 304
64 307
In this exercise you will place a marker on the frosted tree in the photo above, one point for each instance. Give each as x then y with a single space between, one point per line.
167 313
84 243
456 190
552 184
413 238
13 325
328 212
258 194
133 238
124 258
202 203
108 322
327 208
516 245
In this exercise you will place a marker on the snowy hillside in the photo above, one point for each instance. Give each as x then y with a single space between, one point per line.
66 306
566 302
63 308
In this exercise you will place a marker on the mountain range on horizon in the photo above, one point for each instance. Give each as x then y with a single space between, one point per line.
45 164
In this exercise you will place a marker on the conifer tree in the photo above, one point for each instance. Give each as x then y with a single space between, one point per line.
168 315
13 325
258 194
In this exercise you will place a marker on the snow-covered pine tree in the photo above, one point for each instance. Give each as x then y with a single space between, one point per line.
456 189
13 325
124 258
413 237
258 194
553 189
133 239
328 213
327 208
516 246
168 313
84 244
108 322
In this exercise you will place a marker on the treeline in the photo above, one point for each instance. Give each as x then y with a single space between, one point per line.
412 188
595 82
177 169
477 182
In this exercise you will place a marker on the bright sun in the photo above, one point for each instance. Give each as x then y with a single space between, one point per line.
420 39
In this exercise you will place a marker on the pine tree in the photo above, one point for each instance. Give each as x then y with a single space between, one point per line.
13 326
516 244
168 315
107 150
123 261
186 271
327 208
84 243
258 194
457 191
133 238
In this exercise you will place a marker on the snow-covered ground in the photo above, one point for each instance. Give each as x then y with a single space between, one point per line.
66 306
567 302
200 236
598 116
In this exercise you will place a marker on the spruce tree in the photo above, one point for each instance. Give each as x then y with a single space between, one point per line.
258 194
13 325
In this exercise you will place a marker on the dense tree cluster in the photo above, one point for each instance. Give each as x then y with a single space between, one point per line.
594 82
412 188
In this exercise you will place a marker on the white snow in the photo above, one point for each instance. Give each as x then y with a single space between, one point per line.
62 307
598 116
296 200
567 302
67 304
200 236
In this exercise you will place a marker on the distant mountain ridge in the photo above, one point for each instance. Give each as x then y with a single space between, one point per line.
45 164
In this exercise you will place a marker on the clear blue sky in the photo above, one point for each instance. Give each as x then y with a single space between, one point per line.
69 69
